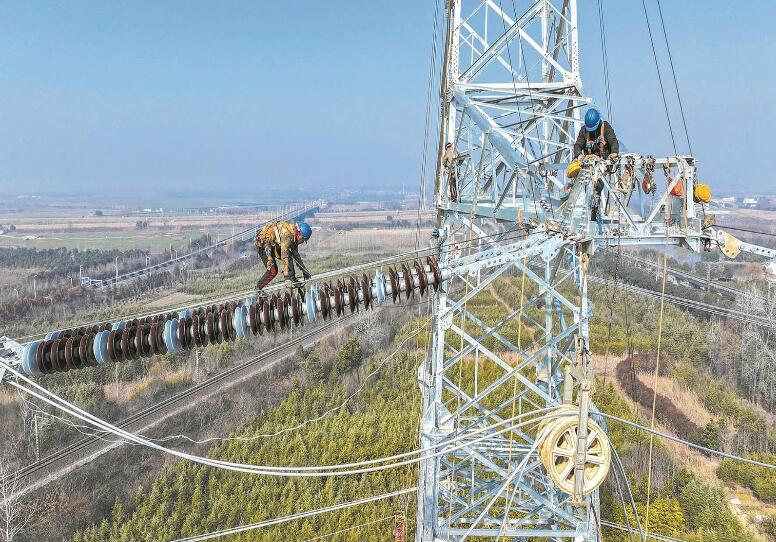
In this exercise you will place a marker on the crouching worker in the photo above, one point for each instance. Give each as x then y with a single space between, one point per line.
280 241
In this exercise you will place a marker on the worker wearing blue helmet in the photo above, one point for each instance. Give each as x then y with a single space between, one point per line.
597 137
279 241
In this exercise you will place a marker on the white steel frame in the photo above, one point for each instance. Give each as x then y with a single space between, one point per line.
511 106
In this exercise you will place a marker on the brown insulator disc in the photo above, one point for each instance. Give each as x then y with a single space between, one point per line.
421 277
252 319
338 298
69 363
126 355
352 294
409 287
266 315
112 354
393 276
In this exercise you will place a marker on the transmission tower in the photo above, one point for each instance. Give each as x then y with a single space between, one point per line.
511 107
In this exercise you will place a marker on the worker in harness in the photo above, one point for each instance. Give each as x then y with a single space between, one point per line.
597 138
451 162
280 241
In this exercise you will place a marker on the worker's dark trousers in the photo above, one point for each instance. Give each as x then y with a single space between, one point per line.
267 253
270 266
453 187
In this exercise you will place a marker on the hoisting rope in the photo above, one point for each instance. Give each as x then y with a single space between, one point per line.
514 386
469 232
655 380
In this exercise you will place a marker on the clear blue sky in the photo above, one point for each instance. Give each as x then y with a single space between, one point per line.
235 96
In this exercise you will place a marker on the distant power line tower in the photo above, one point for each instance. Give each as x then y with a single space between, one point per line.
511 108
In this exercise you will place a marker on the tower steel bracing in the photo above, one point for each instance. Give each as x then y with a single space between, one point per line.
511 106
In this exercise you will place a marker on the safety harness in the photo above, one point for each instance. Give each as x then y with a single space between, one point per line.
601 140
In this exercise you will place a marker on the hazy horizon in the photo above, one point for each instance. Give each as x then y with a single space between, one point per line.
172 98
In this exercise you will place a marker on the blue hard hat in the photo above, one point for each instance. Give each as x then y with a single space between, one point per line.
592 119
305 229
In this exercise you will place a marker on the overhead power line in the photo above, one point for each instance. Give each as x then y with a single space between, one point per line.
294 517
659 75
279 471
660 537
746 230
692 304
690 444
673 72
349 529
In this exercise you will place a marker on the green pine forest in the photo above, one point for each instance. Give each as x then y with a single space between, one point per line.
382 420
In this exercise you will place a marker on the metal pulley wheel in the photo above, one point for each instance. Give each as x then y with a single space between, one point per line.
559 445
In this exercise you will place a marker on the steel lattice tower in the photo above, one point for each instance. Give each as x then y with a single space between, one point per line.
511 106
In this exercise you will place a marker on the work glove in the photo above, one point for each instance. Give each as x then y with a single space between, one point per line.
306 275
580 157
288 284
614 157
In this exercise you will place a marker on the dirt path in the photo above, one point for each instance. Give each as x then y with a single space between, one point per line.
696 461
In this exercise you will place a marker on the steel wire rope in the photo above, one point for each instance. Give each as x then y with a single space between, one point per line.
621 495
660 537
78 413
673 72
705 307
619 467
283 471
659 76
679 440
298 471
427 125
292 517
696 305
746 230
716 284
349 529
605 58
